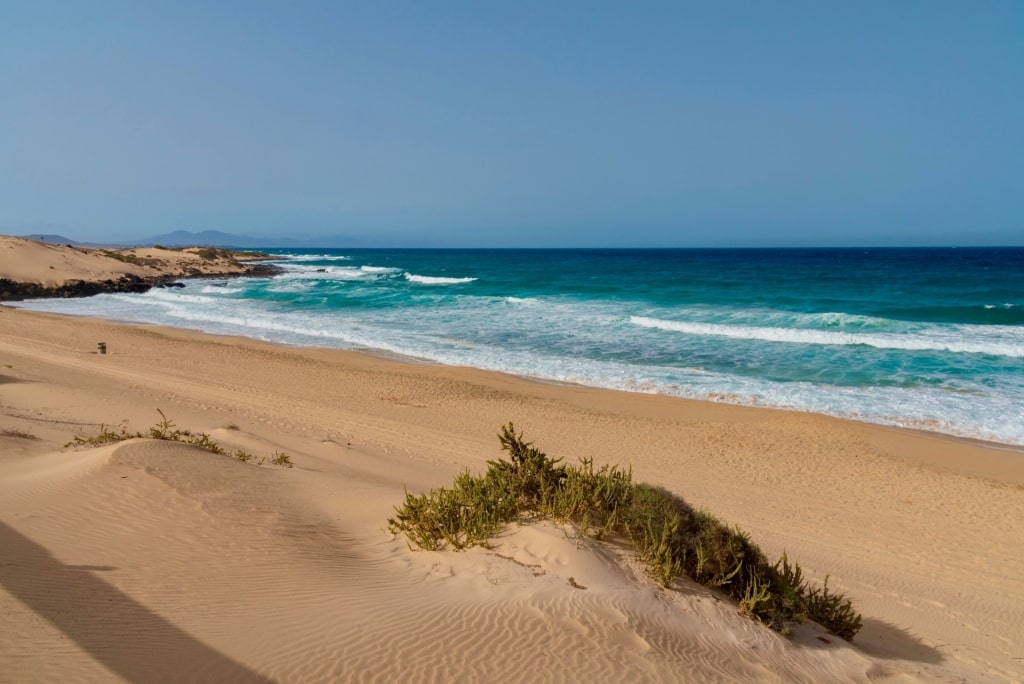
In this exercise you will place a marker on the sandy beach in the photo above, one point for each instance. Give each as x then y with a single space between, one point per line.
512 342
156 561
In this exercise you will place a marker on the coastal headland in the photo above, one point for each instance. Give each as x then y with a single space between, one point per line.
151 560
34 269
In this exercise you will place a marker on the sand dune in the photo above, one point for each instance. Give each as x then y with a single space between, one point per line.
156 561
170 564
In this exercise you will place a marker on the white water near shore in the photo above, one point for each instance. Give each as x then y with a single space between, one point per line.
628 331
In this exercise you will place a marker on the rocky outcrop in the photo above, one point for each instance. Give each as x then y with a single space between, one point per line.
11 290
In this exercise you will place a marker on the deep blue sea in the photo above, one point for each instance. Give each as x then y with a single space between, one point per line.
922 338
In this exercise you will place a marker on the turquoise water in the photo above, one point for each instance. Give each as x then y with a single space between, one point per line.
927 338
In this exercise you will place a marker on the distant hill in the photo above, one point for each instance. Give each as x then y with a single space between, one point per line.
216 238
206 238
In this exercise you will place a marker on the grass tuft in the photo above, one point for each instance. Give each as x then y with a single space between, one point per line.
668 535
16 432
165 429
282 459
106 435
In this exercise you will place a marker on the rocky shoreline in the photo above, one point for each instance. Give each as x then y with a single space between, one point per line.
11 290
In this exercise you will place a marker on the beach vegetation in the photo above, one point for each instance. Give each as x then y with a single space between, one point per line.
214 253
129 258
669 536
833 611
106 435
17 432
281 459
165 429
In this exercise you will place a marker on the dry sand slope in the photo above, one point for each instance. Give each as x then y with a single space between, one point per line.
154 561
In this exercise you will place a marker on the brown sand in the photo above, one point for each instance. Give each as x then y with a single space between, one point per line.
152 561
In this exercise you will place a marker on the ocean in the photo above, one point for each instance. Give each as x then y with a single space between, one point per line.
921 338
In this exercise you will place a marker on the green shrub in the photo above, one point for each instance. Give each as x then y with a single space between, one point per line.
833 611
668 535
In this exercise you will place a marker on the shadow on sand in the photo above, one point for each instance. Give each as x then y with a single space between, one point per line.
883 640
116 630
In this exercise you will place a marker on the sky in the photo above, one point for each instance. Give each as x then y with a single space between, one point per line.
508 124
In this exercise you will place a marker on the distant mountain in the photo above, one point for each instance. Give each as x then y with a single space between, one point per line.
216 238
207 238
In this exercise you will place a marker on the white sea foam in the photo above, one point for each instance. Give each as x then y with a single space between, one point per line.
328 273
291 285
908 342
435 280
312 257
785 319
340 273
834 320
599 344
220 289
176 295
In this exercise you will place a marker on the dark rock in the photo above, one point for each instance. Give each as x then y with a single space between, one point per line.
11 290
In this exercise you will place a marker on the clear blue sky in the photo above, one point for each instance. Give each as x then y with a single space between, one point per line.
517 123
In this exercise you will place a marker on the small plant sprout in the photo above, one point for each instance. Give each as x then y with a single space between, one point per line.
281 459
